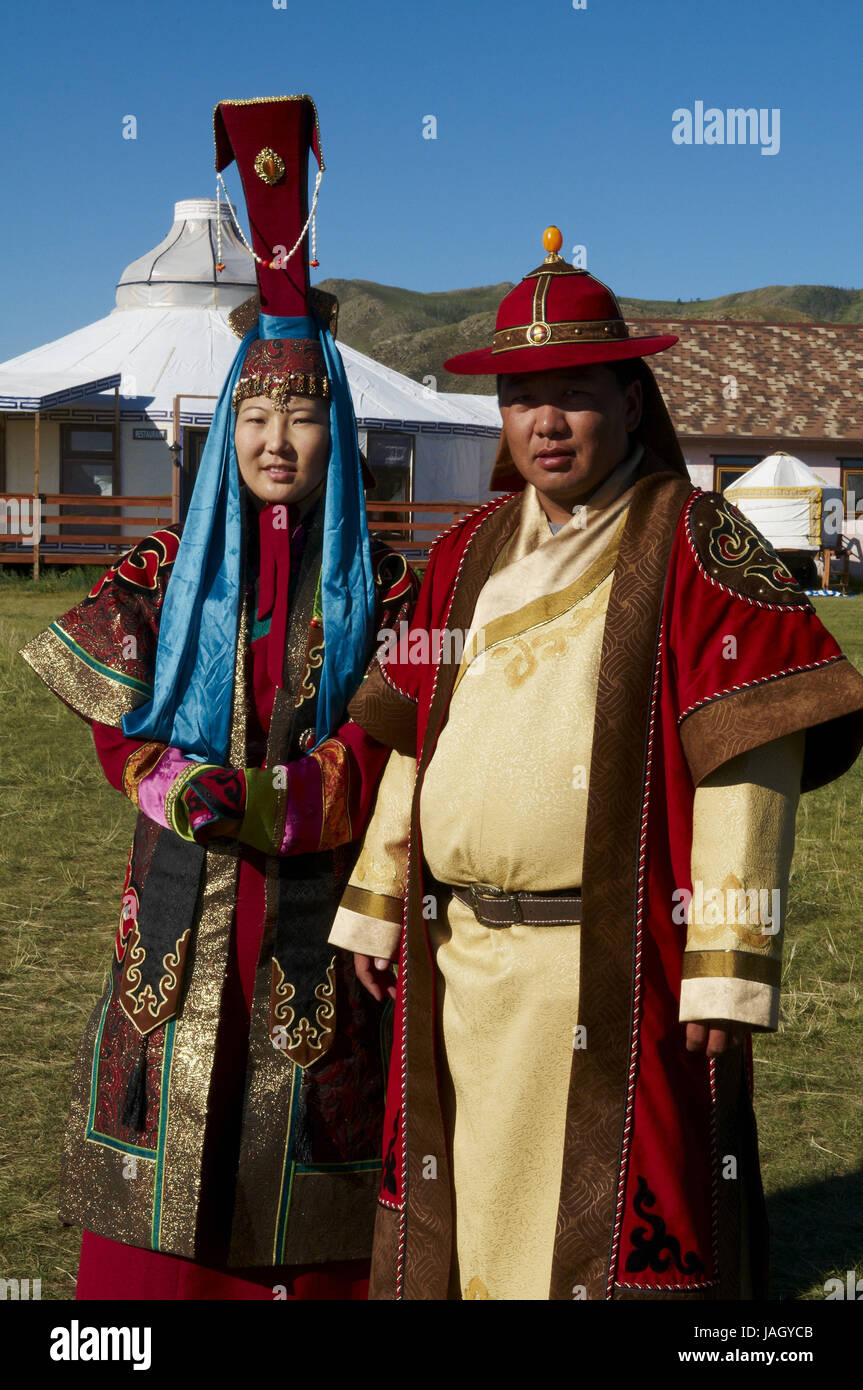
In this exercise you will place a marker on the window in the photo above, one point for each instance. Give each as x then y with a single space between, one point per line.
194 440
728 468
852 487
87 468
391 460
390 457
87 460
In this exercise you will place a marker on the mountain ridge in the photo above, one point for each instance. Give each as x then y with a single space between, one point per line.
415 331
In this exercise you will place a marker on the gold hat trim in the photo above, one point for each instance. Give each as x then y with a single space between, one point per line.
266 101
540 333
540 295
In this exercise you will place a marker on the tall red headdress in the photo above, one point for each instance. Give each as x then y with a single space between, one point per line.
270 138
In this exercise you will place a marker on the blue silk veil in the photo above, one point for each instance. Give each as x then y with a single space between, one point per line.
195 656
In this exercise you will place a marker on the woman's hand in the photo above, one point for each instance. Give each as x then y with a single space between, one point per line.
215 803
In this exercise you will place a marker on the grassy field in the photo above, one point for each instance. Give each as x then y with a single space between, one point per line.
64 838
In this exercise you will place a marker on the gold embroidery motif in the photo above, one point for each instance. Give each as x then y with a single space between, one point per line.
737 555
136 1001
303 1041
742 911
476 1289
138 766
171 962
523 655
332 759
314 657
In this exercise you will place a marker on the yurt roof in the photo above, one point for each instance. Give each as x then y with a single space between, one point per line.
181 271
169 335
779 470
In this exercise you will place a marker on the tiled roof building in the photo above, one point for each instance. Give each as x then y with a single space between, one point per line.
791 381
738 391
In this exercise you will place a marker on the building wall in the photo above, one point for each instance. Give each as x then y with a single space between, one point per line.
145 464
19 455
700 457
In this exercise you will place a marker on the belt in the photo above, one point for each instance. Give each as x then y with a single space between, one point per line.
494 908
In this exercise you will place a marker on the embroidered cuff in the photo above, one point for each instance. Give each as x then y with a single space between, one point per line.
138 766
300 807
177 813
370 935
736 985
159 789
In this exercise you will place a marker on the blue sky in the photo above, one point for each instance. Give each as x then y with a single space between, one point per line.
544 114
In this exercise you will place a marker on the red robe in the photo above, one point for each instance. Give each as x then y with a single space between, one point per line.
225 1174
109 1269
645 1209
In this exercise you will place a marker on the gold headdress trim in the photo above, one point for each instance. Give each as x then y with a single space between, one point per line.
279 389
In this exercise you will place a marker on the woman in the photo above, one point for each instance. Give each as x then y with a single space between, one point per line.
224 1133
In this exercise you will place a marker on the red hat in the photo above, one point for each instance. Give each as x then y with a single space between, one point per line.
559 316
270 138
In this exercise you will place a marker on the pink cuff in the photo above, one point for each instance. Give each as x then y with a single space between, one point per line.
304 812
153 789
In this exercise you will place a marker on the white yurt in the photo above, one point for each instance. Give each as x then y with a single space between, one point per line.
794 507
108 410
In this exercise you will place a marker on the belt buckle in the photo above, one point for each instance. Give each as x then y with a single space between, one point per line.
490 890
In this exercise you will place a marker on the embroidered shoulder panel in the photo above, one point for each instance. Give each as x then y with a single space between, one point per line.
142 567
118 622
99 657
733 554
394 578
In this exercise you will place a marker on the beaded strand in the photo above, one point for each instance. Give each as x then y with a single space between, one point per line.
270 265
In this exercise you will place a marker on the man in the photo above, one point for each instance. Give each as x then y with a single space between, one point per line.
589 814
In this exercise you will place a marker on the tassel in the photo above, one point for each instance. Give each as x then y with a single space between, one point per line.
302 1139
134 1114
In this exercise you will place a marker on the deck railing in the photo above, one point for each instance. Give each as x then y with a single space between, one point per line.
75 529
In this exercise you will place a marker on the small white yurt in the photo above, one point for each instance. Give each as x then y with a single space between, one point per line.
792 506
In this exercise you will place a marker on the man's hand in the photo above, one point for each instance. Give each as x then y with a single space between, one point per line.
717 1033
376 974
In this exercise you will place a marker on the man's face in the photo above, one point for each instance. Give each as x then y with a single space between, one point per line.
567 429
282 454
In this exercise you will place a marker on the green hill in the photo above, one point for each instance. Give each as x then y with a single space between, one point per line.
414 333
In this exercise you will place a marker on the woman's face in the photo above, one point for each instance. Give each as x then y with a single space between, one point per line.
282 454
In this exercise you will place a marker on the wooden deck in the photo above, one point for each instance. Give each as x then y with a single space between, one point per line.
81 530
